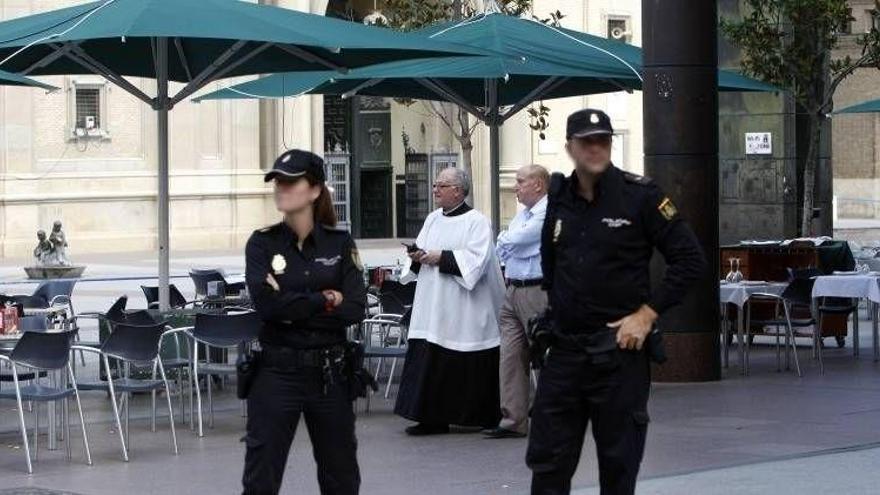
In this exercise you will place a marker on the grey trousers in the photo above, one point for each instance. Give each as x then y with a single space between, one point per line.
520 305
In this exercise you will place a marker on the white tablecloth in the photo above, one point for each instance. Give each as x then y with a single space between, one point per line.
738 293
855 286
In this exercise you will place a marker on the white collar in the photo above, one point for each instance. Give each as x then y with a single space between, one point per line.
538 207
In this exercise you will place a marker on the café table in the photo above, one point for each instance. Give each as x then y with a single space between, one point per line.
854 285
739 294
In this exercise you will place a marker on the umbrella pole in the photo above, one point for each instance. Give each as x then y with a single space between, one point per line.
495 171
494 153
162 174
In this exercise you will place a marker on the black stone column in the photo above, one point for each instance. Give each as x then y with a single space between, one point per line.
680 40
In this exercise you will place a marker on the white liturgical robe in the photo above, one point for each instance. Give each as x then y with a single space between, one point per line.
458 312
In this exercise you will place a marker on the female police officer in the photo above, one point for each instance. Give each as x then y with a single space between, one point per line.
306 282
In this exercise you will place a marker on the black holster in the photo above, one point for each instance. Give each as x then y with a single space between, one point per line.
246 370
360 381
655 347
541 337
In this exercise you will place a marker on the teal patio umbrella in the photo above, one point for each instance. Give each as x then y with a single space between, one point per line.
453 79
532 61
194 42
13 79
870 106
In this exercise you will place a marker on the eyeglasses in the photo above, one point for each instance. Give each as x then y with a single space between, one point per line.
443 186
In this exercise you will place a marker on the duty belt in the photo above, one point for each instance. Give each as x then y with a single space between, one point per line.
594 341
288 358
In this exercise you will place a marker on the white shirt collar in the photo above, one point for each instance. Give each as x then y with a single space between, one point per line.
540 206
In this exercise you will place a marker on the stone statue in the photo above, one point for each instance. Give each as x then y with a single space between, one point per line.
52 251
43 249
51 257
59 245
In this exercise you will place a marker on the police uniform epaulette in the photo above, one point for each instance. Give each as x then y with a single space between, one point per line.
637 179
269 228
336 229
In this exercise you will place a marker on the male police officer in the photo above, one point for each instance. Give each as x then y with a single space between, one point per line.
601 228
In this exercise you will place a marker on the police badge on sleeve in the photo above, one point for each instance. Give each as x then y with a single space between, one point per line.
356 259
667 209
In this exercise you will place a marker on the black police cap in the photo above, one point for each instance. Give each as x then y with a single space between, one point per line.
588 122
296 163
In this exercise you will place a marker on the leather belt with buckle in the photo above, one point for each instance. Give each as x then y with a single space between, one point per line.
525 283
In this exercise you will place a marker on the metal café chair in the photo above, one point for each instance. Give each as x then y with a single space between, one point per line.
38 323
116 312
138 345
44 352
384 334
222 331
395 298
833 306
800 311
201 278
179 363
792 298
48 294
176 299
386 346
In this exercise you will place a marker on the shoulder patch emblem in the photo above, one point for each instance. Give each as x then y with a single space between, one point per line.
356 259
667 209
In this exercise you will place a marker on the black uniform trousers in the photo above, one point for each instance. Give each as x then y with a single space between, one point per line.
276 401
574 388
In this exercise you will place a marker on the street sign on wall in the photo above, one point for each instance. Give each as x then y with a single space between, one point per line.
759 143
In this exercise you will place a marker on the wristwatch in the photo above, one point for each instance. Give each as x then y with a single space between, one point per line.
330 300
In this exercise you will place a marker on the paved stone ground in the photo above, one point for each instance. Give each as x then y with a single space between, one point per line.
767 433
829 472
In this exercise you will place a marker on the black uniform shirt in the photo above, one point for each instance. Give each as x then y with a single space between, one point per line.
296 315
596 254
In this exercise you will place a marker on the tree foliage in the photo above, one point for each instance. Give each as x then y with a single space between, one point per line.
789 43
414 14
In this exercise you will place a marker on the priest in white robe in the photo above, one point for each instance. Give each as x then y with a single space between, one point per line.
450 376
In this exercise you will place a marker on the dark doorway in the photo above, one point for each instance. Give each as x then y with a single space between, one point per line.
376 216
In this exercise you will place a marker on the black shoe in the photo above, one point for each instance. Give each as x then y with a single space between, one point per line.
423 429
502 433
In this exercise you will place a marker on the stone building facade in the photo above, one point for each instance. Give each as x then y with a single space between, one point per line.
856 140
86 154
